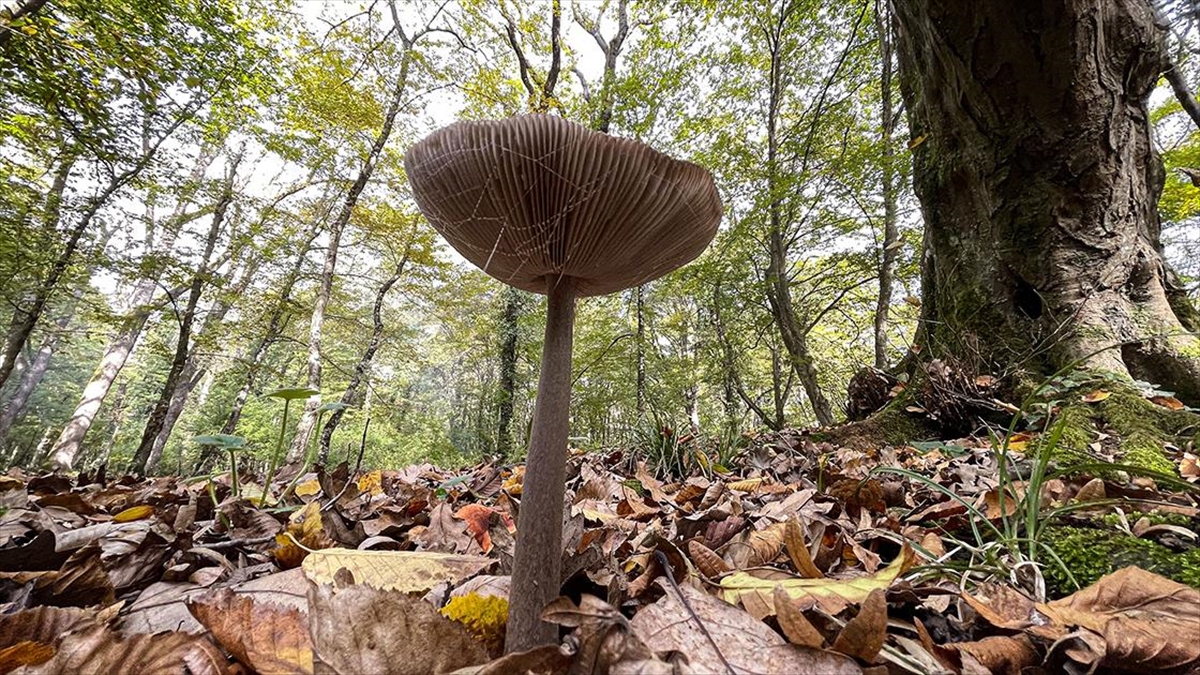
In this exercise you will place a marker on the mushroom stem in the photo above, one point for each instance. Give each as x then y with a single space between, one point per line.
537 564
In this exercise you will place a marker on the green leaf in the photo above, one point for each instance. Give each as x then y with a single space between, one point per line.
292 393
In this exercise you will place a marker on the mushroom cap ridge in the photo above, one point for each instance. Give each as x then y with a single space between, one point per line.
534 197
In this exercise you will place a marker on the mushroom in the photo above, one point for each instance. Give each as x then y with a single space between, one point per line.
549 206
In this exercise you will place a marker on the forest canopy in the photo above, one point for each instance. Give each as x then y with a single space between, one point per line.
205 202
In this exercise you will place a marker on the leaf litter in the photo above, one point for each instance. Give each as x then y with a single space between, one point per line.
800 558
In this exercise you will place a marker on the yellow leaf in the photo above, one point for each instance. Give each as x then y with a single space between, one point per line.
1095 396
832 594
748 485
406 571
371 483
134 513
916 142
308 488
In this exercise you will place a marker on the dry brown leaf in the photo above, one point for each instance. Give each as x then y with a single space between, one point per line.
755 548
547 660
445 533
747 485
266 638
26 653
359 630
745 643
796 627
832 594
1002 606
707 561
1189 467
1141 617
406 571
797 548
862 637
1092 491
1000 654
28 637
478 519
99 651
603 634
1168 402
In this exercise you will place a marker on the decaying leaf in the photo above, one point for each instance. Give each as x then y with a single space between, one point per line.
100 651
359 630
863 636
743 644
832 594
797 549
796 627
267 638
1141 617
707 561
405 571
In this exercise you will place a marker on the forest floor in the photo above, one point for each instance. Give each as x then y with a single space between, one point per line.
801 556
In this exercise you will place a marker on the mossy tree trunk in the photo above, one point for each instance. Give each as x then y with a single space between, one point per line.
1039 183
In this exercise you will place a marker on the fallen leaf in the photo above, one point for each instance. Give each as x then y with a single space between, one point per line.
1092 491
359 630
134 513
742 643
99 651
1002 606
796 627
707 561
1168 402
754 548
547 660
797 548
862 637
1140 616
406 571
305 531
832 594
266 638
1095 396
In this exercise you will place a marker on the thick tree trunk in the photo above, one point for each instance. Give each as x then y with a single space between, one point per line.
1038 181
305 427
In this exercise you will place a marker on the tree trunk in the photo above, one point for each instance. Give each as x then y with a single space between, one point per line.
508 370
891 232
70 441
359 377
305 428
158 414
779 293
1038 182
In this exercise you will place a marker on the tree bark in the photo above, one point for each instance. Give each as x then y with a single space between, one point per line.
305 428
891 232
508 371
360 377
70 441
640 351
158 414
1039 181
779 294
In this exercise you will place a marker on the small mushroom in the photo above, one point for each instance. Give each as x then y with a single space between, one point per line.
549 206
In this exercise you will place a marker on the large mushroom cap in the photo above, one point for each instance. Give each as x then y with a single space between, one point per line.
532 198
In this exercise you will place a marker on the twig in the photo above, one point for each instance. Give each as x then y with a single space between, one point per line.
234 543
666 565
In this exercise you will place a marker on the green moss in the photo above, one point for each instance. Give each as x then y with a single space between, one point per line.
1077 433
886 427
1145 428
1092 553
